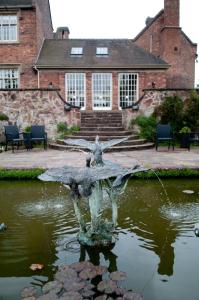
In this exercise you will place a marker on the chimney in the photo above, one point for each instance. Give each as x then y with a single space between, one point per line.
171 13
62 33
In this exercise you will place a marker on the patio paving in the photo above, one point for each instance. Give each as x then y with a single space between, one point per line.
162 159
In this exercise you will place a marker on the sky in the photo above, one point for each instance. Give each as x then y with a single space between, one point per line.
119 19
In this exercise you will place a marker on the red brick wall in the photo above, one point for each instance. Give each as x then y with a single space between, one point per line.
32 29
165 39
145 81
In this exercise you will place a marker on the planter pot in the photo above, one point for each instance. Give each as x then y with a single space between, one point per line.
184 140
2 136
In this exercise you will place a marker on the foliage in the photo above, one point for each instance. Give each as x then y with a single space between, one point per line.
63 129
185 129
27 129
17 174
170 173
191 111
171 111
3 117
147 127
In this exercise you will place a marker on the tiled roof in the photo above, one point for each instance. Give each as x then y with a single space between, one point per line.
15 3
122 53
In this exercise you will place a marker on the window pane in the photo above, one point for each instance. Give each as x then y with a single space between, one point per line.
101 51
128 89
75 89
102 90
8 28
9 78
76 51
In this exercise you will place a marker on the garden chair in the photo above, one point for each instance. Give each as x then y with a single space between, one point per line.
38 134
12 136
164 134
193 138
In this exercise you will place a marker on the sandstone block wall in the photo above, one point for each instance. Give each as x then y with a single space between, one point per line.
36 107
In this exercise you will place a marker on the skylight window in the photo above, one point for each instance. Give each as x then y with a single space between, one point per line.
101 51
76 51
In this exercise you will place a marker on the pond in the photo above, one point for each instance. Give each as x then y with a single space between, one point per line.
156 245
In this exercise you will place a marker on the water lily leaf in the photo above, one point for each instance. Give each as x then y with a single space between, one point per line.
28 292
132 296
88 274
30 298
188 192
54 286
35 267
79 266
107 286
118 276
66 274
71 296
74 286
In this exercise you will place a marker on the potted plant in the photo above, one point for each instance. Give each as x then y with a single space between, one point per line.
184 137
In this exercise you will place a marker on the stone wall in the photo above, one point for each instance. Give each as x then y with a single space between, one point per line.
42 107
150 100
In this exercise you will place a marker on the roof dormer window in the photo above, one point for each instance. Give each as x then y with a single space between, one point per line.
76 51
101 51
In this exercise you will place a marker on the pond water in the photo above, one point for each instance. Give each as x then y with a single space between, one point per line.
156 243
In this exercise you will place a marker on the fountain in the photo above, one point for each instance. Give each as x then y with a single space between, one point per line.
97 180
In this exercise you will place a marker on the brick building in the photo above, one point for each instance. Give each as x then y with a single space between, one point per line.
94 74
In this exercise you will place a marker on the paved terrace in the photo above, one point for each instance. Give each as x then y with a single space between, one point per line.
163 159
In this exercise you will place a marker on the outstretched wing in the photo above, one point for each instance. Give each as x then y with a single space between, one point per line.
81 143
108 144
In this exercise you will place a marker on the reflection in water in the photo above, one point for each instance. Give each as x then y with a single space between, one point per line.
153 235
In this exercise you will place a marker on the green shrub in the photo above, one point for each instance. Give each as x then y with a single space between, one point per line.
63 130
17 174
27 129
171 111
3 117
185 129
147 127
74 128
191 111
62 127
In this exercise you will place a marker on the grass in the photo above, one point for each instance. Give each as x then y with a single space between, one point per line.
32 174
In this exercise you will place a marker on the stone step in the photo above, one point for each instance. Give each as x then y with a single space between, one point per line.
101 128
99 132
112 149
129 142
103 137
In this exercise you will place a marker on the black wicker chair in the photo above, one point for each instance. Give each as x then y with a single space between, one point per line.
13 136
38 134
164 134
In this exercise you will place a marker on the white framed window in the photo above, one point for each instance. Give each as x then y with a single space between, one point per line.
76 51
102 51
128 89
9 78
102 90
76 89
8 28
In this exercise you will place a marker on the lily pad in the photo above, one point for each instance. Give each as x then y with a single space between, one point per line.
79 266
132 296
28 292
188 192
107 286
54 286
35 267
118 276
71 296
30 298
88 293
120 291
88 274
